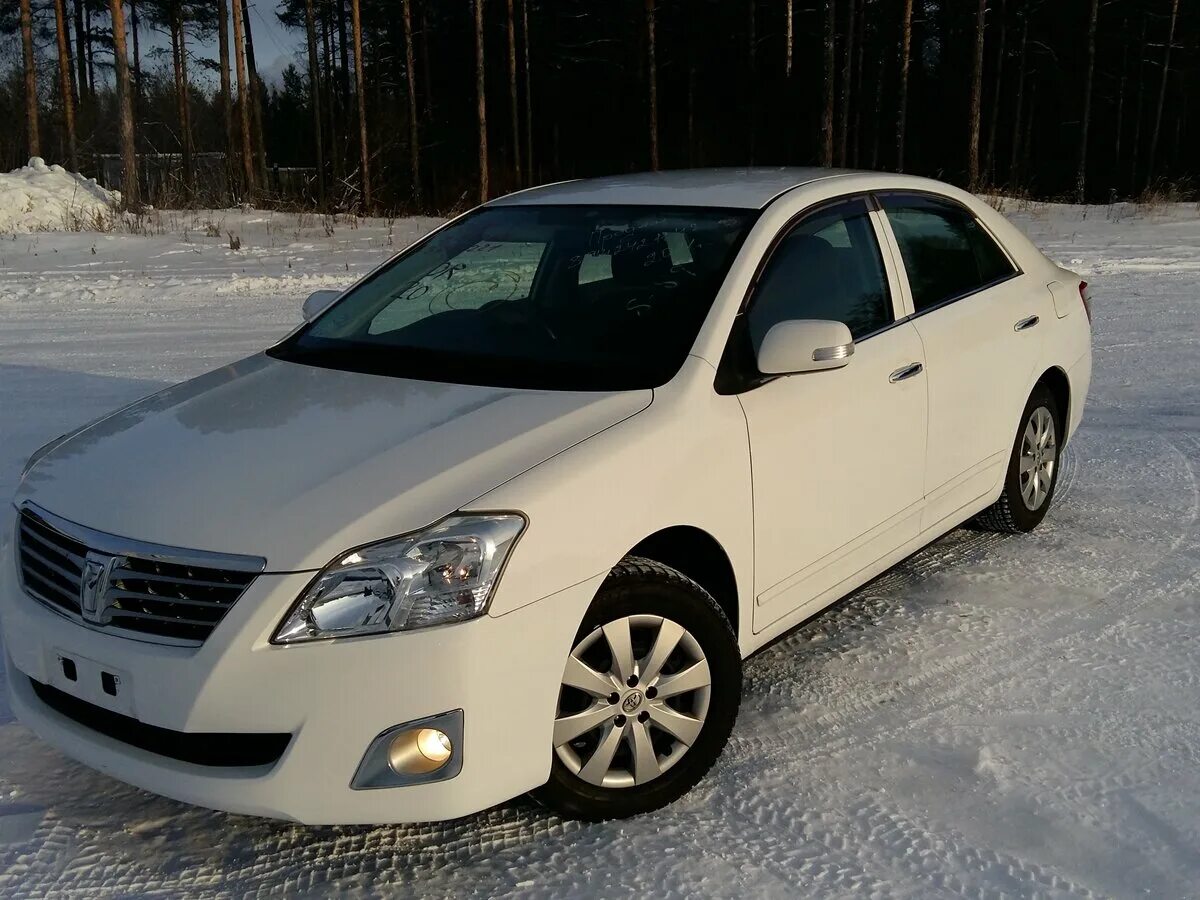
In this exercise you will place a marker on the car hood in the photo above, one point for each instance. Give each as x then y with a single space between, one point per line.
297 464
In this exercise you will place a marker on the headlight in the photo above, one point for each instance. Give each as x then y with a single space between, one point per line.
444 574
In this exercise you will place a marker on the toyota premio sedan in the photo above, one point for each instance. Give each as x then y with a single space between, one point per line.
507 515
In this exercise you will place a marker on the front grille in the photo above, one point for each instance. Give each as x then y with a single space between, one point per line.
150 594
199 748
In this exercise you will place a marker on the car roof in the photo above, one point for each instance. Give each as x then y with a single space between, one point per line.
746 188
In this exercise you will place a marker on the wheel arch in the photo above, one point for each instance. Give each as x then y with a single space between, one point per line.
699 556
1056 381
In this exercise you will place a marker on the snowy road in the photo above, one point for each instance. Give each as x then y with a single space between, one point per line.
997 716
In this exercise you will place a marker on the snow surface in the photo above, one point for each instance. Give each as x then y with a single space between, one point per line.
38 197
998 716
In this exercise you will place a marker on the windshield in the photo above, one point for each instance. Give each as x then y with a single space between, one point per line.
550 297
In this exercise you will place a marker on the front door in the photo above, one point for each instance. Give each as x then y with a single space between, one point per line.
838 455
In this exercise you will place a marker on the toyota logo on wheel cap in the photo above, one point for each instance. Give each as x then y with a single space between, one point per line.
632 701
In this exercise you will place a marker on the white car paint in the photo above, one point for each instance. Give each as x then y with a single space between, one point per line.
812 484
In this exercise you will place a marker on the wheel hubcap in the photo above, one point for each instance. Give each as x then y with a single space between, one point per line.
634 696
1039 454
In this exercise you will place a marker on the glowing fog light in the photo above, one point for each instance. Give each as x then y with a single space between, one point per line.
419 751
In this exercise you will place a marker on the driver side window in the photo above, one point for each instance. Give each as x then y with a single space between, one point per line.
827 267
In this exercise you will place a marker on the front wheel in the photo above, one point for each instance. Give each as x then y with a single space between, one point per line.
1032 469
649 695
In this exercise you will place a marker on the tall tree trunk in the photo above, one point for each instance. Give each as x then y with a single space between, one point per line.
331 92
226 85
752 68
481 101
1014 160
652 80
788 30
1084 120
244 101
91 50
314 89
1027 143
512 92
1162 95
989 159
130 195
858 81
182 98
410 75
905 60
64 81
976 101
81 82
847 79
255 97
877 120
137 60
830 73
31 98
344 50
1141 105
1120 129
528 93
360 87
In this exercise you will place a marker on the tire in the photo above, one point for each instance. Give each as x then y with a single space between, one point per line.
656 602
1013 512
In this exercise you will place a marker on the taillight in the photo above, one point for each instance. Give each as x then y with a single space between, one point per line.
1087 300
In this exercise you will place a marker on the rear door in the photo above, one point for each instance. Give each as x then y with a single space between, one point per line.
982 328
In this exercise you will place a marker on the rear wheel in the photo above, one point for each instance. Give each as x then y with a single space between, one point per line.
1032 468
649 695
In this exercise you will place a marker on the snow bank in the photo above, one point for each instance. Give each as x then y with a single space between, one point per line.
38 197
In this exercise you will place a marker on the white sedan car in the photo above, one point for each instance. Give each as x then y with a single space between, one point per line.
508 514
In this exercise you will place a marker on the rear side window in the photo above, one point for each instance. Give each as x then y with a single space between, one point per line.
946 252
827 267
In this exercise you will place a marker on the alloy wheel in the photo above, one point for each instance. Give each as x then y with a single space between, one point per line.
1039 455
634 696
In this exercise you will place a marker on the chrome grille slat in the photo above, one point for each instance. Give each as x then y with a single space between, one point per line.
67 599
150 617
150 592
53 567
27 531
122 574
122 594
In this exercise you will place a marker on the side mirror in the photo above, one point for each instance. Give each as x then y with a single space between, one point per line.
318 302
804 345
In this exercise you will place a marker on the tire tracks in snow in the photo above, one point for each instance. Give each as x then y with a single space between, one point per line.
891 709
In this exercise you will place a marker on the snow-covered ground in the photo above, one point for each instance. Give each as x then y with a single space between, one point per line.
998 716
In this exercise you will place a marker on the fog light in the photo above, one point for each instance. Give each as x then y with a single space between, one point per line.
416 752
419 751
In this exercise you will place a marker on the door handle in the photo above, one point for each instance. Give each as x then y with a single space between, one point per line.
1026 324
905 372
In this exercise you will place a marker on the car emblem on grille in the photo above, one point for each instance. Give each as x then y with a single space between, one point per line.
93 586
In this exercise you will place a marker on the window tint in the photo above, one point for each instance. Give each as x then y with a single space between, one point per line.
827 267
490 271
596 264
946 252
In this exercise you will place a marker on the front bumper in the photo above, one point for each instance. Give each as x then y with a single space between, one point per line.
333 697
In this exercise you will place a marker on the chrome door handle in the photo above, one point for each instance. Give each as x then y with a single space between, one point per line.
1025 324
906 372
